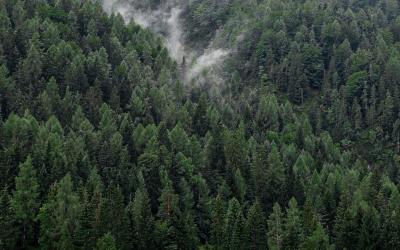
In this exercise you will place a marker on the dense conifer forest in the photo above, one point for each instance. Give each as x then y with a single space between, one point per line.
292 143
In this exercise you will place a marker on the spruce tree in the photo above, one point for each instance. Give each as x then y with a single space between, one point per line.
255 228
142 220
293 228
59 217
276 187
276 234
317 240
8 236
25 201
234 225
217 226
107 242
345 229
113 216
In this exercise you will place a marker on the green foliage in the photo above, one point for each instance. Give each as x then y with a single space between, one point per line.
217 226
142 220
355 83
25 201
276 228
107 242
255 228
104 145
318 240
59 216
234 226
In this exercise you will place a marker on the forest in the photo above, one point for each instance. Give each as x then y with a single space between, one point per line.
291 140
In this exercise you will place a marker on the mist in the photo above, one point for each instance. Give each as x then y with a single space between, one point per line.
166 22
206 61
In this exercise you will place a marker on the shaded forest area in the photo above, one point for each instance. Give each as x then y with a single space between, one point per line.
103 147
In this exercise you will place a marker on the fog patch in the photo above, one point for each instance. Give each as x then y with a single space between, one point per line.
210 59
198 66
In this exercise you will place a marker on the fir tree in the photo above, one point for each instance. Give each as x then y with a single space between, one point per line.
255 230
276 234
25 201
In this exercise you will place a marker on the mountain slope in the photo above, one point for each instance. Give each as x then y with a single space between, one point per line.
288 141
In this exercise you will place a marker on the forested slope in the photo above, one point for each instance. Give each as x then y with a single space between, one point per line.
103 145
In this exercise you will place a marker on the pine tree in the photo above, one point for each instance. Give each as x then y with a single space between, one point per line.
142 220
200 116
86 236
387 113
258 170
235 149
240 185
217 226
390 220
190 240
356 114
59 217
368 236
30 70
276 187
255 230
267 116
318 240
25 201
293 228
8 236
149 163
309 217
234 225
345 229
202 207
169 230
107 242
276 228
113 217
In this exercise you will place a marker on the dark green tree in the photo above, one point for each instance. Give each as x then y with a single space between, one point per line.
276 233
142 220
217 226
25 202
59 217
255 228
234 226
293 228
107 242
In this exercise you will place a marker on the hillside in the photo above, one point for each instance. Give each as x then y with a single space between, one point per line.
199 124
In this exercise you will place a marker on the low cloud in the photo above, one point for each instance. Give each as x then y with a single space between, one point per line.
166 22
208 60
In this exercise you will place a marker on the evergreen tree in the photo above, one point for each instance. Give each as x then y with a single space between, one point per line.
235 150
276 187
25 201
217 226
317 240
276 234
345 229
8 235
142 220
293 228
113 217
59 217
169 229
30 70
190 240
107 242
240 185
234 226
267 115
101 131
255 230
